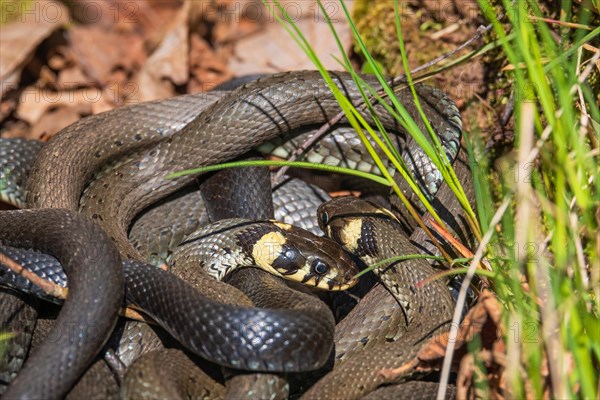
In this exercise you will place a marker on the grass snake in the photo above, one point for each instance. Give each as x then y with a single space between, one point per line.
235 123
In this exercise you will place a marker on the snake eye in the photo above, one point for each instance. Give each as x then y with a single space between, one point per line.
319 267
324 218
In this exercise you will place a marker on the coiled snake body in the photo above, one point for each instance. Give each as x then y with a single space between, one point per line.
235 123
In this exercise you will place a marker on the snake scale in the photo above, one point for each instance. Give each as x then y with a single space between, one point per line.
235 123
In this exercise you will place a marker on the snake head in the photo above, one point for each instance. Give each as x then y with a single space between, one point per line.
343 220
300 256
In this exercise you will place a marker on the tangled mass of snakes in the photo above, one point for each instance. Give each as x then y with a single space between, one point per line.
238 283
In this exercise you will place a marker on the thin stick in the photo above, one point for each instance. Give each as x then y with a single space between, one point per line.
48 287
52 289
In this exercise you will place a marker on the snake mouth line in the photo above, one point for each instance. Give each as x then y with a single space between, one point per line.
332 285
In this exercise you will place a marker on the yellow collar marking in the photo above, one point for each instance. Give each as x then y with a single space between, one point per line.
267 249
351 233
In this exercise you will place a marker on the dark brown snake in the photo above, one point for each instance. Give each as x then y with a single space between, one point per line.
269 108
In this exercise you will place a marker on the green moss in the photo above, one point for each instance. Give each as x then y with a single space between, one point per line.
376 23
375 20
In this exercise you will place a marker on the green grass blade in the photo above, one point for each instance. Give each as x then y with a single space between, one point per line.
269 163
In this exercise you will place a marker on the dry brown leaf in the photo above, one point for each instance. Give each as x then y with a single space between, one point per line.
152 17
101 13
483 319
20 38
225 20
168 64
207 69
125 16
235 19
7 106
73 78
273 49
53 121
15 129
99 52
34 102
487 366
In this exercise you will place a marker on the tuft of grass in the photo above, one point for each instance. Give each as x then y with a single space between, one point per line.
546 250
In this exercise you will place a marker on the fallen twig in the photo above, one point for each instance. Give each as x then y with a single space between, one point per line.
48 287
